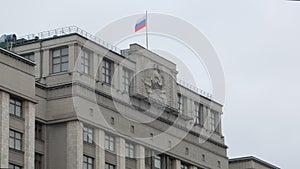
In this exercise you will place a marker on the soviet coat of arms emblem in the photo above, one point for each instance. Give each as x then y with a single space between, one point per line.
155 85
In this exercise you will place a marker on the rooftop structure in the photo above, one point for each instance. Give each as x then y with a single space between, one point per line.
249 162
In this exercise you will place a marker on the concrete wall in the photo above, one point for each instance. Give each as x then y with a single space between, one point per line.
62 104
17 80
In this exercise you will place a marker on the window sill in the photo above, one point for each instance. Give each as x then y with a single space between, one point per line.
130 158
59 73
89 144
17 117
15 150
109 151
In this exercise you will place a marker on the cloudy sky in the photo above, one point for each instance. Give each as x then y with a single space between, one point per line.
257 42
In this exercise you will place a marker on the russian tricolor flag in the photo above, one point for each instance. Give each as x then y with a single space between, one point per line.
140 24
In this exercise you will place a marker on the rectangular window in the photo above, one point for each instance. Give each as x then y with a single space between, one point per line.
29 56
127 75
38 161
107 70
198 113
60 60
213 120
157 162
109 143
86 61
88 135
181 103
109 166
148 157
88 162
15 140
39 130
152 160
129 150
184 166
14 166
15 107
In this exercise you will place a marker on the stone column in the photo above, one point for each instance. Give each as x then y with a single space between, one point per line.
100 149
193 167
4 129
116 76
99 68
219 121
72 57
29 139
140 156
94 65
121 80
120 149
37 58
176 164
46 63
206 123
74 145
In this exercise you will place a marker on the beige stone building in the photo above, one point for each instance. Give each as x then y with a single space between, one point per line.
249 163
71 101
17 111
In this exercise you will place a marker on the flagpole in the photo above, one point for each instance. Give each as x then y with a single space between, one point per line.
147 29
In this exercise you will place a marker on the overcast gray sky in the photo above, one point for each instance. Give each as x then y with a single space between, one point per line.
257 42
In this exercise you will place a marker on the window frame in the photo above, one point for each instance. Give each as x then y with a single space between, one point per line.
40 161
38 131
111 143
184 166
151 158
213 121
127 76
14 166
199 108
13 102
181 103
60 57
13 138
109 166
157 158
129 150
86 162
86 61
107 70
88 133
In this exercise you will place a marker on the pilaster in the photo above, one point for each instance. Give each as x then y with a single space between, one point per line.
140 156
120 147
177 164
100 149
74 145
4 129
47 68
29 138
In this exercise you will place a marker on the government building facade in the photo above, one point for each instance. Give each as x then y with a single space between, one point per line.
71 101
